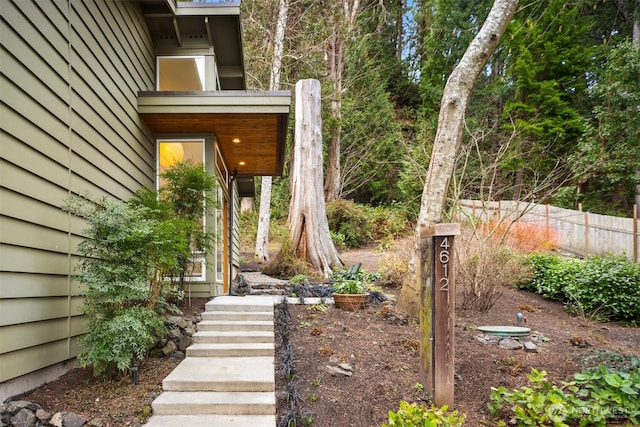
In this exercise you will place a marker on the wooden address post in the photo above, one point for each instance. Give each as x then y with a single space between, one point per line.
437 311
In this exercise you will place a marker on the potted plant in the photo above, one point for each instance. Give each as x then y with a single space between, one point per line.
350 291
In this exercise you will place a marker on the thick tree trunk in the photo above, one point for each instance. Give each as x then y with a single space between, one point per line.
449 135
308 226
264 217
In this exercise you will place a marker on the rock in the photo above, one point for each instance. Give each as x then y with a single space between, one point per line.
24 418
336 370
43 415
156 353
346 367
17 405
175 333
178 355
510 344
96 422
56 420
184 342
333 362
531 347
170 348
72 420
178 321
487 339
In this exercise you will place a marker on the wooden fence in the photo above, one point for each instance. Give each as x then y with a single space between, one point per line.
580 233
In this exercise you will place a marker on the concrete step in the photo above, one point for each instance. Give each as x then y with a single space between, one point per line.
266 349
212 421
222 374
242 304
214 403
238 315
235 325
212 337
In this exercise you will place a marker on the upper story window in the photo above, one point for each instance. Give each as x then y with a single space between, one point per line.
177 73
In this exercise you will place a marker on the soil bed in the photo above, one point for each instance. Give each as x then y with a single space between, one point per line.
383 350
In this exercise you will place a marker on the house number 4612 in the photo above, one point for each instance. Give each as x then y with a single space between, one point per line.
443 257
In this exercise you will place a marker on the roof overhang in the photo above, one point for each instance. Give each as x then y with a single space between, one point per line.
249 126
199 26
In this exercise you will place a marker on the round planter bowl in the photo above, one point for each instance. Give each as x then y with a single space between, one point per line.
350 302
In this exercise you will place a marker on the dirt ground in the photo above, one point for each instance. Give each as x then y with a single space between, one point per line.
383 349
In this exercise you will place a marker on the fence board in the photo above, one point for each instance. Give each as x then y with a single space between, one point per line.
580 233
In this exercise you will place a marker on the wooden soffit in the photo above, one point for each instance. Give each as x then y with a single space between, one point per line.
249 126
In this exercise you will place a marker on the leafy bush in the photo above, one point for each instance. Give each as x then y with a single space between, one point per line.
553 275
592 398
388 223
412 415
120 341
607 286
354 225
129 250
610 286
125 253
350 220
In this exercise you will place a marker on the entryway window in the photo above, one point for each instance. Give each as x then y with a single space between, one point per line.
171 152
181 73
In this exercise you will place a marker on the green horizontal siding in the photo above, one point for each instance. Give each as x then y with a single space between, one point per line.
30 359
24 285
17 337
70 74
20 233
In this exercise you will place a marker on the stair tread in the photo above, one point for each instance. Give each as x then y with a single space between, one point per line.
212 420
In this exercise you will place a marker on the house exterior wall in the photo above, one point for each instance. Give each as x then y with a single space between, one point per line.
70 72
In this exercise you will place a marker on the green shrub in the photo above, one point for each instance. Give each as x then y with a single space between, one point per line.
125 254
553 275
412 415
350 220
388 223
592 398
355 225
119 342
609 286
606 286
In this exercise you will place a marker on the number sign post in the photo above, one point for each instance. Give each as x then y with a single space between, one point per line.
437 311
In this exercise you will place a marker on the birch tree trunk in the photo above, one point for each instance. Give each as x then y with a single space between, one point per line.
264 217
308 225
448 137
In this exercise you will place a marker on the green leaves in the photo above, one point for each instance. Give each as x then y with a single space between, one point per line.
130 251
591 399
600 286
412 415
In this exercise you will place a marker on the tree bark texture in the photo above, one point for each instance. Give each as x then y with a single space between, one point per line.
448 137
264 216
342 21
308 226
